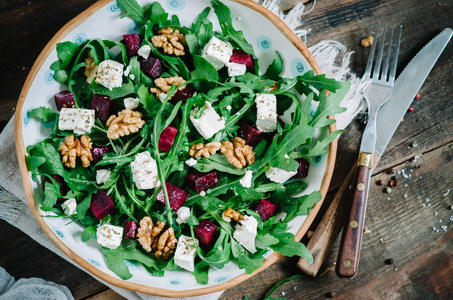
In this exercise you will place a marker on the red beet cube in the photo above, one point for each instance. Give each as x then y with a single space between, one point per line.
302 170
64 99
243 58
102 205
98 152
176 196
249 134
64 189
202 181
266 209
130 229
184 94
205 232
152 67
167 138
133 43
102 107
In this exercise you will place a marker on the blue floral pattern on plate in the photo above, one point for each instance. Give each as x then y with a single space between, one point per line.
298 66
264 43
48 77
174 282
94 262
59 233
176 4
114 7
134 27
317 160
80 38
223 278
26 117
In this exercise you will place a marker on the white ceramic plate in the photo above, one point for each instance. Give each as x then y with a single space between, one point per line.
261 28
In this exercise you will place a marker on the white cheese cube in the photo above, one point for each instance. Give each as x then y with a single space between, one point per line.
185 253
209 123
217 52
191 162
109 236
162 96
266 112
144 51
183 214
144 171
70 206
102 176
279 175
245 233
131 103
76 119
246 181
235 69
110 74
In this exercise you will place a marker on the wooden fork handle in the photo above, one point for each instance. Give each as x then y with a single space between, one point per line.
351 240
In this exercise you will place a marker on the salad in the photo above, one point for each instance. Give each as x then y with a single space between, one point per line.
169 146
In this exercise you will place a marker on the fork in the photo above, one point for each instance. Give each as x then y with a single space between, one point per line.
378 93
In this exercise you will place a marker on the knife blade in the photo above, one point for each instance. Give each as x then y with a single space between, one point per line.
406 87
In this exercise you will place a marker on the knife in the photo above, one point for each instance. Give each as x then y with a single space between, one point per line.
406 87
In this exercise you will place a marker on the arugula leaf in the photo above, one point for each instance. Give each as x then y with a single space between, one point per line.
226 24
44 113
217 162
287 164
203 70
279 284
51 194
65 53
275 68
329 106
52 164
201 273
133 10
250 264
320 82
322 146
88 233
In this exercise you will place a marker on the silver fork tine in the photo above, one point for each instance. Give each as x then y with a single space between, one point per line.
384 73
369 64
377 67
395 56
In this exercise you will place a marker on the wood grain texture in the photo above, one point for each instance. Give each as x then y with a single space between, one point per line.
400 228
351 240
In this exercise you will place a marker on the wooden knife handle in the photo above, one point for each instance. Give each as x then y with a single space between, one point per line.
351 240
328 229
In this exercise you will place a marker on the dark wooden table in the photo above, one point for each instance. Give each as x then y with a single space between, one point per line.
401 228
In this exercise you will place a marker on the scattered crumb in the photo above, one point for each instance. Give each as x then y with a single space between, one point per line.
446 193
436 213
367 42
381 240
283 294
427 200
366 230
444 228
440 220
310 233
405 196
395 268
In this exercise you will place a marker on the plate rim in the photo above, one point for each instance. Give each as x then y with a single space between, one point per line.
27 184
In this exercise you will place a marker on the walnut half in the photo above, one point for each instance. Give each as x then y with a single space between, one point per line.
198 150
172 41
238 153
127 122
72 147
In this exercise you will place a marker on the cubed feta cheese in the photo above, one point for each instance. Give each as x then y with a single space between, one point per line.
279 175
185 253
266 112
144 171
235 69
76 119
183 214
191 162
209 123
217 52
144 51
70 206
131 103
102 176
245 233
109 236
246 181
110 74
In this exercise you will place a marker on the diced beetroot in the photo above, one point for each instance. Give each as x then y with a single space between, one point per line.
102 205
202 181
64 189
133 43
64 99
167 138
98 152
102 106
152 67
266 209
176 196
130 229
205 232
249 134
243 58
302 170
184 94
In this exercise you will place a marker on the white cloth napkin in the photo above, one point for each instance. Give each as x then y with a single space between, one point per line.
13 206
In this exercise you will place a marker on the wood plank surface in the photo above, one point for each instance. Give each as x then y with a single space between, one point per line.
403 226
